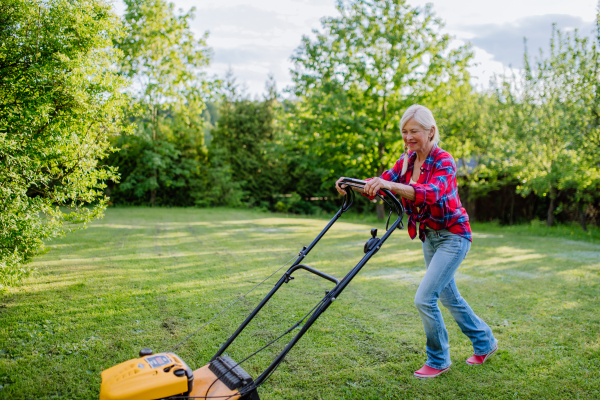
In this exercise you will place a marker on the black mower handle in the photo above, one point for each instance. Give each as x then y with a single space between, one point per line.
332 294
359 183
312 270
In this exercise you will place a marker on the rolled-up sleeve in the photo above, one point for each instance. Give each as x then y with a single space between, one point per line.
432 191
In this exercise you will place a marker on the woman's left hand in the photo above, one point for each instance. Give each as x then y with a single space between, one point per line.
376 184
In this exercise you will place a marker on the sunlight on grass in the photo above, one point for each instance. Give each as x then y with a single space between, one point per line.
148 277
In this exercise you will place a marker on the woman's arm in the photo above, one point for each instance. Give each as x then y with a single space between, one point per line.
390 176
376 184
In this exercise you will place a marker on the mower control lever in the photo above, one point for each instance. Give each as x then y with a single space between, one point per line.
371 243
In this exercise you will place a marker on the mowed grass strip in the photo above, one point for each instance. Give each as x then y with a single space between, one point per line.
145 277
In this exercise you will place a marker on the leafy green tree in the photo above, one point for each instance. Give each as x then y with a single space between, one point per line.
592 81
60 102
244 144
365 67
478 129
164 162
463 119
586 179
548 153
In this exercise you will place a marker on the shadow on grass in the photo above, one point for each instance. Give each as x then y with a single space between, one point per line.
149 277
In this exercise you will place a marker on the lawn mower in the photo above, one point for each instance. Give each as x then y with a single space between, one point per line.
166 376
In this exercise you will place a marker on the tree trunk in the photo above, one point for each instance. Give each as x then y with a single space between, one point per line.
551 207
581 210
380 210
531 205
503 218
379 207
512 207
153 191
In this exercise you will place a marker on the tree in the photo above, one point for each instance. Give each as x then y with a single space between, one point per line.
548 146
587 178
365 67
165 160
60 103
244 143
463 118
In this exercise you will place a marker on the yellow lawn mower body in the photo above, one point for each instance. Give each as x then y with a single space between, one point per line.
162 376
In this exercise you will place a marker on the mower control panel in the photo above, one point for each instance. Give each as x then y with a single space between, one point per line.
158 360
148 377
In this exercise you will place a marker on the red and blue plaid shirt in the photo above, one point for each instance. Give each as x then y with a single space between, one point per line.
437 205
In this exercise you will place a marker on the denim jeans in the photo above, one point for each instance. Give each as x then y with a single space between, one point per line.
444 251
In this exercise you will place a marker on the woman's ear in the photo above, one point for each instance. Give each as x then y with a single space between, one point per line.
431 133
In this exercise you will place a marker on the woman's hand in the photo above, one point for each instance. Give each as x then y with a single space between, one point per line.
374 185
341 186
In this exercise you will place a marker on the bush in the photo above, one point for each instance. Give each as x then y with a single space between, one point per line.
60 102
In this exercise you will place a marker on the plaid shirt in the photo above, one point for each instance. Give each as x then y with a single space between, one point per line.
437 205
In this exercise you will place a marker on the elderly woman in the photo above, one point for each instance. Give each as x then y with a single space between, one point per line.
426 179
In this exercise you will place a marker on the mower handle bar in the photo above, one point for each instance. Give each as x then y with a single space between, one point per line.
314 271
331 294
360 184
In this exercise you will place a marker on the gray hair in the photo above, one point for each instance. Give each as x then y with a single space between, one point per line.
424 117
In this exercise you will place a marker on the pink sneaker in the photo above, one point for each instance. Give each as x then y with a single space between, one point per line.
478 360
428 372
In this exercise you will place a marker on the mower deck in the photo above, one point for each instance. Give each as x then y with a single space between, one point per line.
204 378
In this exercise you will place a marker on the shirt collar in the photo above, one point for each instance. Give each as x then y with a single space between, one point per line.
412 157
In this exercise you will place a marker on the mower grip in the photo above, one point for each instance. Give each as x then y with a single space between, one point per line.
354 182
359 183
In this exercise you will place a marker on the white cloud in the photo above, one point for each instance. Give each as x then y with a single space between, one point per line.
258 37
458 13
505 41
484 68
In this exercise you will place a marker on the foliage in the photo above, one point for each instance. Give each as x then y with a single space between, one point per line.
220 189
365 67
164 162
245 143
60 103
465 119
550 103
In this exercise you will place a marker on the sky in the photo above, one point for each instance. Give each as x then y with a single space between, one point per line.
256 38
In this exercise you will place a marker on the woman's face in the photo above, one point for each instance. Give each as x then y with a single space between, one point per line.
416 137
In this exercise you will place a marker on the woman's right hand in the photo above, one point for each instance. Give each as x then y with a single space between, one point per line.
341 186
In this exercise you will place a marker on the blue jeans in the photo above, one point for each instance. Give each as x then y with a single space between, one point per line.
444 251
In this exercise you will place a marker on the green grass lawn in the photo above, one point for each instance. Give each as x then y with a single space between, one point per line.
145 277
